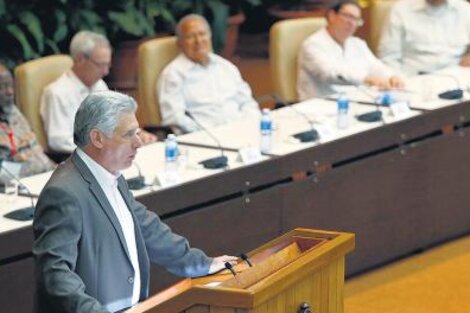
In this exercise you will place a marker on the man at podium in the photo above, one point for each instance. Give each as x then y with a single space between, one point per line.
93 241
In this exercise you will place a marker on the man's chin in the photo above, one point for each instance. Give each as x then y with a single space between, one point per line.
6 108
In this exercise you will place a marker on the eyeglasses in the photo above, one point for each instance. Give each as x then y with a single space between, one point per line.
192 36
100 65
7 86
358 20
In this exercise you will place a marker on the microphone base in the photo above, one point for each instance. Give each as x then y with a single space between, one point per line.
215 163
24 214
136 183
307 136
369 117
451 94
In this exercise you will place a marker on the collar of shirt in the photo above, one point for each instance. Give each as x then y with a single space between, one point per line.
423 5
101 174
334 43
188 64
83 89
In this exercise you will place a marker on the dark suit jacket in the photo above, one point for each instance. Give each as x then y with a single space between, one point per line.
82 261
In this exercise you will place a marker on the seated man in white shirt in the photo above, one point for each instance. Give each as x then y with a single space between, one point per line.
333 56
426 35
201 83
91 53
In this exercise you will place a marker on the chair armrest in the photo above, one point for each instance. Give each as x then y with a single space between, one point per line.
162 131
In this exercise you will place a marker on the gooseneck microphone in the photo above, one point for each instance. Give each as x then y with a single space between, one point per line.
136 183
306 136
373 116
23 214
230 268
245 258
216 162
452 94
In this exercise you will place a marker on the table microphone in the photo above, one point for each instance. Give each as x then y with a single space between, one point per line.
212 163
136 183
452 94
306 136
373 116
23 214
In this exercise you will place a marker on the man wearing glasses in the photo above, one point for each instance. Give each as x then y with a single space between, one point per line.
91 53
426 35
333 56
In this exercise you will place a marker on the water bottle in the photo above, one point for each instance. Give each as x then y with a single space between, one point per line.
343 108
386 99
266 127
171 158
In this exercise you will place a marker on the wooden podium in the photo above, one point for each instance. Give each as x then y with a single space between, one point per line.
301 271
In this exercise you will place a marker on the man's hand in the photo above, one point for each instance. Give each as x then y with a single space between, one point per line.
218 263
381 82
465 61
396 82
384 83
147 137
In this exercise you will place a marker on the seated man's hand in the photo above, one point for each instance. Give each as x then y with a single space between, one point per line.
396 82
147 137
218 263
465 61
381 82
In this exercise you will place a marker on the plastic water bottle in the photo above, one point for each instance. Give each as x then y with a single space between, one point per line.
343 109
266 127
386 99
171 158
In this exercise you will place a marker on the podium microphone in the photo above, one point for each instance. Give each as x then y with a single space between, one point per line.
245 258
373 116
23 214
452 94
306 136
212 163
136 183
230 268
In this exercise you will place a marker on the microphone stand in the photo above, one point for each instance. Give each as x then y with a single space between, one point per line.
136 183
453 94
373 116
216 162
23 214
306 136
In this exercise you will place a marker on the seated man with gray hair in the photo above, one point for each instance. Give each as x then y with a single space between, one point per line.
202 83
91 53
93 241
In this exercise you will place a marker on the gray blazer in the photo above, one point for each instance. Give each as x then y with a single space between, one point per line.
82 261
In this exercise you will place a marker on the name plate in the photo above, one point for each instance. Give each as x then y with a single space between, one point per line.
167 179
400 109
325 132
249 155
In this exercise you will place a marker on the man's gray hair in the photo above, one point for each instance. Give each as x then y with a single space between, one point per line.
188 17
100 110
84 42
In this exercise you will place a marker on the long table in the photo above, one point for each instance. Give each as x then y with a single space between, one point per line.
401 187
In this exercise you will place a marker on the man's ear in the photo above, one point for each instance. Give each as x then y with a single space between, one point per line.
96 138
330 14
79 58
179 43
